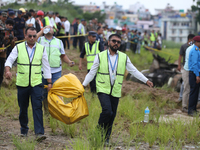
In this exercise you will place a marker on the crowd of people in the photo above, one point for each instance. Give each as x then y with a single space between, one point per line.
39 55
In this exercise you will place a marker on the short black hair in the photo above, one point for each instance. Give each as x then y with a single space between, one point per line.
30 28
99 28
28 14
117 35
56 13
191 36
10 22
25 16
31 10
139 32
66 18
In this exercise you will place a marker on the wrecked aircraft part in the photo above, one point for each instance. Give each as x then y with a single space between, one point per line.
161 72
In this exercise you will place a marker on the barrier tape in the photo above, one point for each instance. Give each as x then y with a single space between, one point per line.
150 48
2 49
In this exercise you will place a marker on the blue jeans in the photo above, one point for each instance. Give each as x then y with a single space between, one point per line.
109 106
23 94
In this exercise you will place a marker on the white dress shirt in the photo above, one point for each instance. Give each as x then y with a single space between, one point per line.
62 51
45 64
67 26
57 20
129 66
31 21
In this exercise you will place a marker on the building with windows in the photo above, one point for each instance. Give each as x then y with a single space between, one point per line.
177 28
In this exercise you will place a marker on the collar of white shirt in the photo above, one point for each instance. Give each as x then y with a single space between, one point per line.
28 46
110 54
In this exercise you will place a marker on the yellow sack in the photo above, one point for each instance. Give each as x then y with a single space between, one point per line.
70 87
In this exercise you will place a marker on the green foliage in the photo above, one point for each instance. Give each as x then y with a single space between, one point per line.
24 144
196 8
89 16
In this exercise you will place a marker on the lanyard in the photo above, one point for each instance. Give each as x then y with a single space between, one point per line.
113 67
32 52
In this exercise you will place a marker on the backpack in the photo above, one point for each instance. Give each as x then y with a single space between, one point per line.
37 26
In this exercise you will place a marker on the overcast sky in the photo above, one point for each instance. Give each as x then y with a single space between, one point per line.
149 4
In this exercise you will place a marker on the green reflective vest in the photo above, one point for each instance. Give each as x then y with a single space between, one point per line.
53 51
146 37
103 83
29 73
47 21
62 31
91 53
82 29
152 38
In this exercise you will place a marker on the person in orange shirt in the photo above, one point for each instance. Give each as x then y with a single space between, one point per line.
40 15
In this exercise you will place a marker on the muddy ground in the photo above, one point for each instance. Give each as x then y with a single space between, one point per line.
8 126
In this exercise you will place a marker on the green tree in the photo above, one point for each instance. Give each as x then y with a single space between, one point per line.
196 8
97 14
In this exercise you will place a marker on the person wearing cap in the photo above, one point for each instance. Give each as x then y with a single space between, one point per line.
40 18
194 76
23 11
56 55
3 20
91 48
109 67
19 27
81 31
11 15
31 57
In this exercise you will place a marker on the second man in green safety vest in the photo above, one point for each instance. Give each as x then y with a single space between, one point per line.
91 48
56 53
110 66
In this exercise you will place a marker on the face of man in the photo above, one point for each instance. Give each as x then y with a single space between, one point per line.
31 36
4 18
92 38
77 21
9 26
100 31
19 15
114 43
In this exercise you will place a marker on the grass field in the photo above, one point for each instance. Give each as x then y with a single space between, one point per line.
128 130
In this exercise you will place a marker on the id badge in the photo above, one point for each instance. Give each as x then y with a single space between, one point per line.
113 76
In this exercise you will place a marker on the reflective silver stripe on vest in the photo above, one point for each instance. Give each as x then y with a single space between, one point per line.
94 51
90 61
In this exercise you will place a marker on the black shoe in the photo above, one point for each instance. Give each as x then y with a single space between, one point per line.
40 137
193 113
185 110
23 135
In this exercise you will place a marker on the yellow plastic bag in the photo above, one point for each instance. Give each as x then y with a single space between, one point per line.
70 87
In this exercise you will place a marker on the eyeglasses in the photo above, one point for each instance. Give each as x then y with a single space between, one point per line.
115 41
30 36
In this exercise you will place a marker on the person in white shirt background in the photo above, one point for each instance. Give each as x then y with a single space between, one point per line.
31 21
67 29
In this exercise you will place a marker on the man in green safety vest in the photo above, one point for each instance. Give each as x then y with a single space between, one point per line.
110 67
146 38
152 38
31 57
48 22
56 53
91 48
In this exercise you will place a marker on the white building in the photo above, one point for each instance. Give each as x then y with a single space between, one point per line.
177 29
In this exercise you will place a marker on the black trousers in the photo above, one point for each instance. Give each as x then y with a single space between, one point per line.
93 84
194 93
23 94
63 40
2 63
81 42
75 42
109 106
68 44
